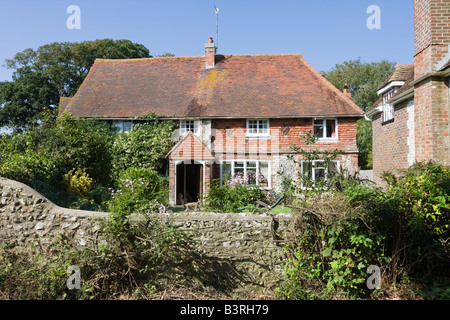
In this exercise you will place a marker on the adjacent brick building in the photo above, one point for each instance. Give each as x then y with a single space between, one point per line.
238 114
411 117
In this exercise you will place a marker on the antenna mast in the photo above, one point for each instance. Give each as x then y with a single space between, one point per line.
217 27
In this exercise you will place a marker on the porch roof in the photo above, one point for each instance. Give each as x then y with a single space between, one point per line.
190 148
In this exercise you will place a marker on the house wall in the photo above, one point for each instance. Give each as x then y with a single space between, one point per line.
393 148
432 49
228 141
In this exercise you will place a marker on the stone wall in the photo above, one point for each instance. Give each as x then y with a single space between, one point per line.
251 243
27 218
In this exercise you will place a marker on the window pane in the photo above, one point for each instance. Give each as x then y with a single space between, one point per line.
319 174
117 125
226 171
127 126
333 167
263 177
306 171
318 130
263 126
253 126
331 128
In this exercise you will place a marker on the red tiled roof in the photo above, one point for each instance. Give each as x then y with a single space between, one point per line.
238 86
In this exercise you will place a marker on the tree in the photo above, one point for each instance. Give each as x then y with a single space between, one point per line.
52 71
363 81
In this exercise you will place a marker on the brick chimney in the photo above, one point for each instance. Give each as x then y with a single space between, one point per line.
210 54
346 92
432 35
431 104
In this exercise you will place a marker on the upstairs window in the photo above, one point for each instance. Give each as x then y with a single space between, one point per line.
325 129
258 128
189 125
388 109
122 125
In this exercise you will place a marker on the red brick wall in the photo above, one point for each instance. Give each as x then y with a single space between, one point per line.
230 135
432 33
432 36
390 142
432 121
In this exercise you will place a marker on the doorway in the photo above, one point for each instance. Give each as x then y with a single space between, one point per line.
189 182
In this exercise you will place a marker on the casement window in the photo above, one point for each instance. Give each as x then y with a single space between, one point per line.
258 128
251 172
325 129
388 109
122 125
317 172
189 125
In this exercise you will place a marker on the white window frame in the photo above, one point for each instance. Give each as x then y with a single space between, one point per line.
119 125
314 167
258 134
323 121
388 109
184 128
258 162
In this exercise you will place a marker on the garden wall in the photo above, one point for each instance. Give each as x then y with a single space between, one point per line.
252 243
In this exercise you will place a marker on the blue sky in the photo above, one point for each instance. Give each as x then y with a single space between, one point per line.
326 32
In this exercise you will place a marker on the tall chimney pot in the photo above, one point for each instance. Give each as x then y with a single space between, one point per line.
210 54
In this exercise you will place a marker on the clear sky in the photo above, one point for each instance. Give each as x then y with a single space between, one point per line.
326 32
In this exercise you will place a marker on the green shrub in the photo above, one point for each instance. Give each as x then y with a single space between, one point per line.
78 182
26 167
232 197
146 146
139 190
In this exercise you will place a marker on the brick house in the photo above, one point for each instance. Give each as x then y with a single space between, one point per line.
237 114
410 119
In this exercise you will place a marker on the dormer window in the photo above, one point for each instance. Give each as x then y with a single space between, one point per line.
388 109
189 125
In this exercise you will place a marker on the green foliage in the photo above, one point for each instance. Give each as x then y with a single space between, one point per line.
145 146
139 190
52 71
232 197
311 155
363 79
78 182
26 167
364 143
330 253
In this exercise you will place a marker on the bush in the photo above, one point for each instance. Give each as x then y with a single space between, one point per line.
26 167
139 190
77 181
146 146
230 197
403 229
329 253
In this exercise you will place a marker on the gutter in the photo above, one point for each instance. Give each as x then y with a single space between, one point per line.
403 96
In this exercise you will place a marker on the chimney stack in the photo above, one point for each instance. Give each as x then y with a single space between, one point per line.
210 54
346 92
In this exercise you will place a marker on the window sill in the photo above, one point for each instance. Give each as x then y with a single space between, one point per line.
327 140
257 137
387 121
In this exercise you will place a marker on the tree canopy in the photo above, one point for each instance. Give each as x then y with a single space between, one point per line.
52 71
